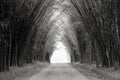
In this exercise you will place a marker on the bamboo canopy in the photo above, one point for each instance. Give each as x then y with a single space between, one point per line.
27 31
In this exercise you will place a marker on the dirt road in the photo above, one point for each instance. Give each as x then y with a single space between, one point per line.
58 72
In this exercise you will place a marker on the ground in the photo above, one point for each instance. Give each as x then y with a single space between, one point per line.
46 71
25 71
59 72
102 73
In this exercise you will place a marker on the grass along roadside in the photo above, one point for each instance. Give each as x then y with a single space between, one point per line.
24 71
102 73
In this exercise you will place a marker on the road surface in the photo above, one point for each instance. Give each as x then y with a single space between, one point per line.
58 72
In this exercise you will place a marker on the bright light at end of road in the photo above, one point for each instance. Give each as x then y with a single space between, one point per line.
60 54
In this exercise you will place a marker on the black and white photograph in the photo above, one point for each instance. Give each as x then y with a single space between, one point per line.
59 39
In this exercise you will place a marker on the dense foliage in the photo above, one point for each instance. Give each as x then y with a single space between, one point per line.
98 33
18 28
101 21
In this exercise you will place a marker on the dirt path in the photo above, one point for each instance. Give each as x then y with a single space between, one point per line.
58 72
